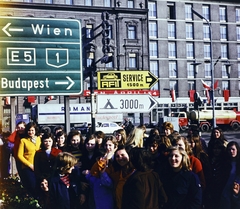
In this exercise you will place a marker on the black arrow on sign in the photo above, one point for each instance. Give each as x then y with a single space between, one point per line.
151 79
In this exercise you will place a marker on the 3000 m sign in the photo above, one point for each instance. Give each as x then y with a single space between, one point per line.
130 104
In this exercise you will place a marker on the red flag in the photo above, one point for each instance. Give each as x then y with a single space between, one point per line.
205 85
8 101
191 95
31 99
215 85
226 95
173 95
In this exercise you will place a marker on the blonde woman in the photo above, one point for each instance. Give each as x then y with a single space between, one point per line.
181 185
135 138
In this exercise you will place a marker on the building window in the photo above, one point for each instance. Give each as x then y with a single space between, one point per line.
190 70
109 65
154 67
171 30
222 14
154 70
207 70
130 4
206 11
206 32
89 31
171 11
153 29
238 51
48 1
152 12
70 2
238 15
88 2
189 50
153 48
189 31
132 60
172 49
225 85
224 51
173 86
188 11
207 51
107 3
172 69
131 32
191 85
238 33
223 32
224 71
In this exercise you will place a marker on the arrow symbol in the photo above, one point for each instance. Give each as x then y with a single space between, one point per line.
66 83
153 103
11 29
151 79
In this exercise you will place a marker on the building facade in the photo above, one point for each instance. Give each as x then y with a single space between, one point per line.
180 52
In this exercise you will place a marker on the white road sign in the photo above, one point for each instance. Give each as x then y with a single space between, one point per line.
125 103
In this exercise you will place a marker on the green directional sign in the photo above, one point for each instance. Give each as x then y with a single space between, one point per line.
40 56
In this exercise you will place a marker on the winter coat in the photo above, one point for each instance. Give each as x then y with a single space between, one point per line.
143 190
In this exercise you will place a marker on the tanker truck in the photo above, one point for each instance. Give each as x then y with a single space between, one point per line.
226 118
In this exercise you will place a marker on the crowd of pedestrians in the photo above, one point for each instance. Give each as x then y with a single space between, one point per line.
128 169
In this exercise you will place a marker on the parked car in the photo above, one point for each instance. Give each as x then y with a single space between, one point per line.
83 128
108 127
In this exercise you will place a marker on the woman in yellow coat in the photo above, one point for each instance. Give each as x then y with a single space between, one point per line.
26 152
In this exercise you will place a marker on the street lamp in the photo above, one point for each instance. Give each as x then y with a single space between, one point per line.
211 68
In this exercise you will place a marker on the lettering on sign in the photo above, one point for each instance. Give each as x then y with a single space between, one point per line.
21 56
24 84
40 56
126 80
46 29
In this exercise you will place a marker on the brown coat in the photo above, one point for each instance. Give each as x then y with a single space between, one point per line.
143 190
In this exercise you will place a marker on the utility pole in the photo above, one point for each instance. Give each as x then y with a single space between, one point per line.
211 63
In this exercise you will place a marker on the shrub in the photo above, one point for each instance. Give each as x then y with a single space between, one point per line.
14 196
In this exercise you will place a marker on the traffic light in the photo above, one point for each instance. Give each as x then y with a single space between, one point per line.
197 101
105 33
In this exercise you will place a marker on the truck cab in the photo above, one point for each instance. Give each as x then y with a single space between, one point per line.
182 120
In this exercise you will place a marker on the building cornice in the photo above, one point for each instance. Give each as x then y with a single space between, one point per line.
74 8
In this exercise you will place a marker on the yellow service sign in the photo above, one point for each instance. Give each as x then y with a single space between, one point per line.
110 80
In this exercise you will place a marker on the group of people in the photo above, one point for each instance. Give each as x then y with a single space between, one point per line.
129 169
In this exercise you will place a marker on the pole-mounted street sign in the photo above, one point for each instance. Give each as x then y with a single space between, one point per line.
125 103
40 56
111 80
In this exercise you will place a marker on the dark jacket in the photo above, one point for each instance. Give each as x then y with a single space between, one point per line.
143 190
60 196
43 164
183 190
